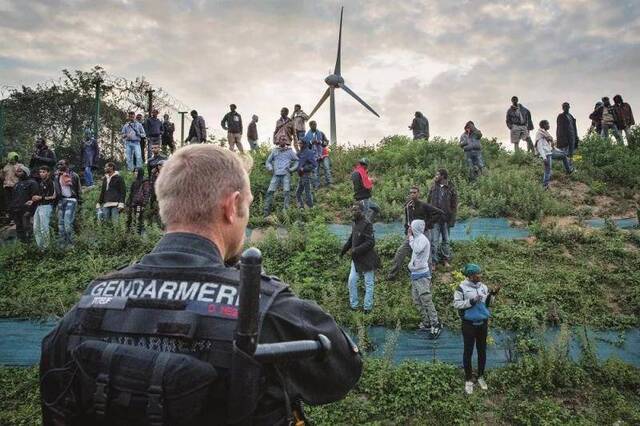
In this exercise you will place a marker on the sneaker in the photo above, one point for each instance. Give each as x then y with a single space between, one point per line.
468 388
435 331
482 384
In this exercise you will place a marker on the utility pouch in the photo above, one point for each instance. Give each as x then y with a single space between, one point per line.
121 384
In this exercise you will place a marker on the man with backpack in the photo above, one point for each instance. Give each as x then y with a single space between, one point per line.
139 195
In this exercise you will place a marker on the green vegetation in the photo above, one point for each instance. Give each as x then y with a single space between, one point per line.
548 388
563 275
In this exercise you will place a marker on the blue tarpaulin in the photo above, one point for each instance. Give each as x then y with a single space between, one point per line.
20 344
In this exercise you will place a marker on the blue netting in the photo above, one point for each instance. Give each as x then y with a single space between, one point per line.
627 223
498 228
20 344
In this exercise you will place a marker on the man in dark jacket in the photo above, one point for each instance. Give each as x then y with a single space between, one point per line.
362 186
167 133
420 127
470 144
442 195
44 203
198 129
252 133
90 154
20 209
610 121
153 130
307 164
69 198
625 116
520 124
232 123
364 259
112 194
414 209
566 131
43 156
188 311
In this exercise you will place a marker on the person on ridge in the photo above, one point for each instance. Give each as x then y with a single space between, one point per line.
232 123
420 127
362 186
520 124
282 161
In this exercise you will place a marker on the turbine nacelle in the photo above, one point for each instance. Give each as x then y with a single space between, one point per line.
334 80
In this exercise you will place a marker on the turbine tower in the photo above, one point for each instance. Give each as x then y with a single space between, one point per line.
335 81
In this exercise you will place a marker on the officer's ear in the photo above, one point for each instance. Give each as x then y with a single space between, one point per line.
231 207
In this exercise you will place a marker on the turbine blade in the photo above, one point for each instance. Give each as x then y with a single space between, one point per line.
322 99
336 70
357 98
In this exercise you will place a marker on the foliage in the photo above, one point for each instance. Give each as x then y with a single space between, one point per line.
609 162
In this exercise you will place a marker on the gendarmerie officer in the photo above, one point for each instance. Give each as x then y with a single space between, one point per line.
151 343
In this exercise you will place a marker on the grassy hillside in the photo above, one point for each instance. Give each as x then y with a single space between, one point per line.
563 275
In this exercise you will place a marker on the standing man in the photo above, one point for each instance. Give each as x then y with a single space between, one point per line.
520 124
232 123
198 129
284 129
421 279
153 129
69 198
9 177
610 120
205 231
625 115
364 259
20 209
44 200
566 131
112 194
252 133
420 127
442 195
306 165
153 166
362 186
42 156
132 134
155 158
318 141
299 121
167 134
90 154
282 161
470 143
413 209
143 140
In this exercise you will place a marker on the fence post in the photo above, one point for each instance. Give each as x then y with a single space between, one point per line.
182 113
96 118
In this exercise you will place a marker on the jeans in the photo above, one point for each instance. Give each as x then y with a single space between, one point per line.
474 335
22 219
133 152
614 129
88 176
440 249
558 155
300 134
304 185
371 209
110 213
326 165
276 182
401 253
475 163
368 288
41 225
421 295
66 218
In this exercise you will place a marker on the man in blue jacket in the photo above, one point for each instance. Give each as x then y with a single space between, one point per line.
282 161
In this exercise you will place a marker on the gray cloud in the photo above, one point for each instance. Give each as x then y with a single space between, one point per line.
453 60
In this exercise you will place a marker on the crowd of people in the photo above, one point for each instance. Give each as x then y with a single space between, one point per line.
47 185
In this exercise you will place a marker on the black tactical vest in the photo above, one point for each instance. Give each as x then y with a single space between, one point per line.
149 346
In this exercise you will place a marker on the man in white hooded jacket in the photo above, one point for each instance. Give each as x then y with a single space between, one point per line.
421 278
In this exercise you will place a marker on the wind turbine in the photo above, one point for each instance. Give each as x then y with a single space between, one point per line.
335 81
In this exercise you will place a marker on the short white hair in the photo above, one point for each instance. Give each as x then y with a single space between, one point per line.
195 179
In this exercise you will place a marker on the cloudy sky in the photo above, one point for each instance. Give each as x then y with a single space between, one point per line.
453 60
